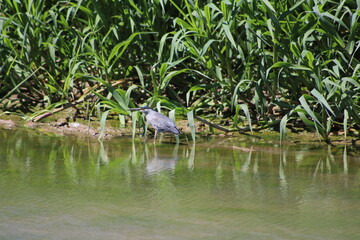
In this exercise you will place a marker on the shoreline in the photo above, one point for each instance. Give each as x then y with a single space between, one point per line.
86 129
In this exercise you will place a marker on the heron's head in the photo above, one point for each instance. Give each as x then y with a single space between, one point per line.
144 110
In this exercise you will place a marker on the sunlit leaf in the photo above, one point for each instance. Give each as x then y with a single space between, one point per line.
322 100
102 124
191 121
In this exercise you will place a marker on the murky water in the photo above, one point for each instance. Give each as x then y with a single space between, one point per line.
236 188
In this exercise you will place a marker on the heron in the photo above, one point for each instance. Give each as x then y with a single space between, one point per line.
160 122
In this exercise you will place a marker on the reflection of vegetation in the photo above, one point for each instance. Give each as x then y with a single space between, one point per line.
132 166
74 185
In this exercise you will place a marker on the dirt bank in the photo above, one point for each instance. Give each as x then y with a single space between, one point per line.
62 128
92 129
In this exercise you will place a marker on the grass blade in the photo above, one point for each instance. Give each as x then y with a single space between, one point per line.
102 124
190 117
345 123
245 108
134 116
322 100
306 107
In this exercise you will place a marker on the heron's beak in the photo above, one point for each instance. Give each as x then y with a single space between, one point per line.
134 109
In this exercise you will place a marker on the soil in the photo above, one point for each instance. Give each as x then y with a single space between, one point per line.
92 129
78 128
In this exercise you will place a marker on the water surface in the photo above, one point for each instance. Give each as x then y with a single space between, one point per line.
223 188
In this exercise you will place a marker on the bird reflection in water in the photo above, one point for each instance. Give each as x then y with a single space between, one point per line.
161 161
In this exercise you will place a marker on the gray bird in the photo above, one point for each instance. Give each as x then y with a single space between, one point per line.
160 122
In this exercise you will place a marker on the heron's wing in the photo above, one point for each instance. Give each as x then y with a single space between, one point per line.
171 127
162 123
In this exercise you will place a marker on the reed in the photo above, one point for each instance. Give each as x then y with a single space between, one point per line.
236 59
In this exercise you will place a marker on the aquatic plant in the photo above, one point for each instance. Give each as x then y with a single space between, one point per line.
267 64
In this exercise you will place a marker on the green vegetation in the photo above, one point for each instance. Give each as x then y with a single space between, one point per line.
269 64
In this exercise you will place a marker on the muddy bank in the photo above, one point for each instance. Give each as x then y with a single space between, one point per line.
62 128
92 129
80 129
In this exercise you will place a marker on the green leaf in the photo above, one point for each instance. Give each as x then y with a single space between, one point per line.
322 100
268 4
283 123
290 65
134 116
102 124
245 108
170 75
192 89
141 76
345 123
190 117
306 107
228 34
128 93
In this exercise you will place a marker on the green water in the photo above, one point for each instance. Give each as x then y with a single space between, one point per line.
224 188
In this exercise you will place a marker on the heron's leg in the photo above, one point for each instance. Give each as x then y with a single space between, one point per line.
156 132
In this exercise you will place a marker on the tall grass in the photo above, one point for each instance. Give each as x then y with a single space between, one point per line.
237 59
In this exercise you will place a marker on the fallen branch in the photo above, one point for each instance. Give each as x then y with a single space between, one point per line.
221 128
85 97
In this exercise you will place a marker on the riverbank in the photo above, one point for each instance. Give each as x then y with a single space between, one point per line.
86 128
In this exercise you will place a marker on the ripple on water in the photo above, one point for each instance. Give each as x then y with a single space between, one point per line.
63 188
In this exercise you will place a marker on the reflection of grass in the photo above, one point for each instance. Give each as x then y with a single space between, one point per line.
78 185
78 163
